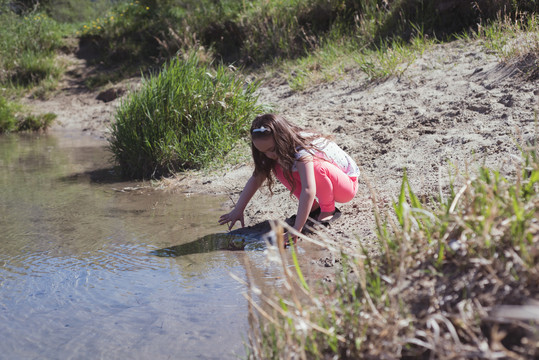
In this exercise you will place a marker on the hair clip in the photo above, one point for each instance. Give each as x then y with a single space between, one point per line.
261 129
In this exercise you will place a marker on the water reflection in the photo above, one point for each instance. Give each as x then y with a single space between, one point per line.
78 273
249 238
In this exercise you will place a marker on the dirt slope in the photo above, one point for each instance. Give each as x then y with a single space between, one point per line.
78 108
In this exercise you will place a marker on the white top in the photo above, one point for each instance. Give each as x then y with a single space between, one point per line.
332 153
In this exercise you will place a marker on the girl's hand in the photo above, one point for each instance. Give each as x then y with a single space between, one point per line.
232 217
288 237
249 190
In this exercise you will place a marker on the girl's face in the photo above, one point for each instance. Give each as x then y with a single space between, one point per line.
266 145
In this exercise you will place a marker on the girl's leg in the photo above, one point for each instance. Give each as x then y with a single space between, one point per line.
332 185
278 171
280 176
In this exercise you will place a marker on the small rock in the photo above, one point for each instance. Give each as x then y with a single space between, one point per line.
506 100
338 129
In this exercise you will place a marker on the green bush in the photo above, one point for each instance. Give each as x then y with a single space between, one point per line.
236 31
286 29
182 118
11 118
73 11
36 122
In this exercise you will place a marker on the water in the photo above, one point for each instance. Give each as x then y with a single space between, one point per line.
92 267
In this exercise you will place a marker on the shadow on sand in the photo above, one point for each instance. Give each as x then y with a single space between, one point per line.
248 238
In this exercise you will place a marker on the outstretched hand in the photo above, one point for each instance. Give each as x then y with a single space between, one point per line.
287 236
232 217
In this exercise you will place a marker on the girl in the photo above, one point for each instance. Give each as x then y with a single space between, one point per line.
316 170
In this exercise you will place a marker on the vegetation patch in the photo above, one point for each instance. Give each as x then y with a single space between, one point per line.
182 118
128 33
28 43
13 120
320 36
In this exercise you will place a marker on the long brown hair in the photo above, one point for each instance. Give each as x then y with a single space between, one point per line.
288 139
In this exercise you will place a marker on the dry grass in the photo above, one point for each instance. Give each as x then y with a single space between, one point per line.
459 279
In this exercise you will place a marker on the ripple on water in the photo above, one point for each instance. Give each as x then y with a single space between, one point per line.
112 257
77 278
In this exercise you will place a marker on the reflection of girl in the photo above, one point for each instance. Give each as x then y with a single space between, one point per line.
308 164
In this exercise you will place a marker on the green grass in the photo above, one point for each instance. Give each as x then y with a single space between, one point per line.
28 44
7 115
339 54
439 288
511 38
184 117
329 62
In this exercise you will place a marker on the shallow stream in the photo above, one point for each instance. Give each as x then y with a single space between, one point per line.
86 270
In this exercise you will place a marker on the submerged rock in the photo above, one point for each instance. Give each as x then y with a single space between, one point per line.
213 242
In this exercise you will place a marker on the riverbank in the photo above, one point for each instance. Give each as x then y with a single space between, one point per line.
456 107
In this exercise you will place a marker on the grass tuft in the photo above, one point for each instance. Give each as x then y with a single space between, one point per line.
185 117
28 43
12 118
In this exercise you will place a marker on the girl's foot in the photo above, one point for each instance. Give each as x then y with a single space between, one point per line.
325 216
315 211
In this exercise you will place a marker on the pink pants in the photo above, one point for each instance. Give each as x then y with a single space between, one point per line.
332 184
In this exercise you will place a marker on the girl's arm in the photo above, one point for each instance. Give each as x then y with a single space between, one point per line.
253 184
308 191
